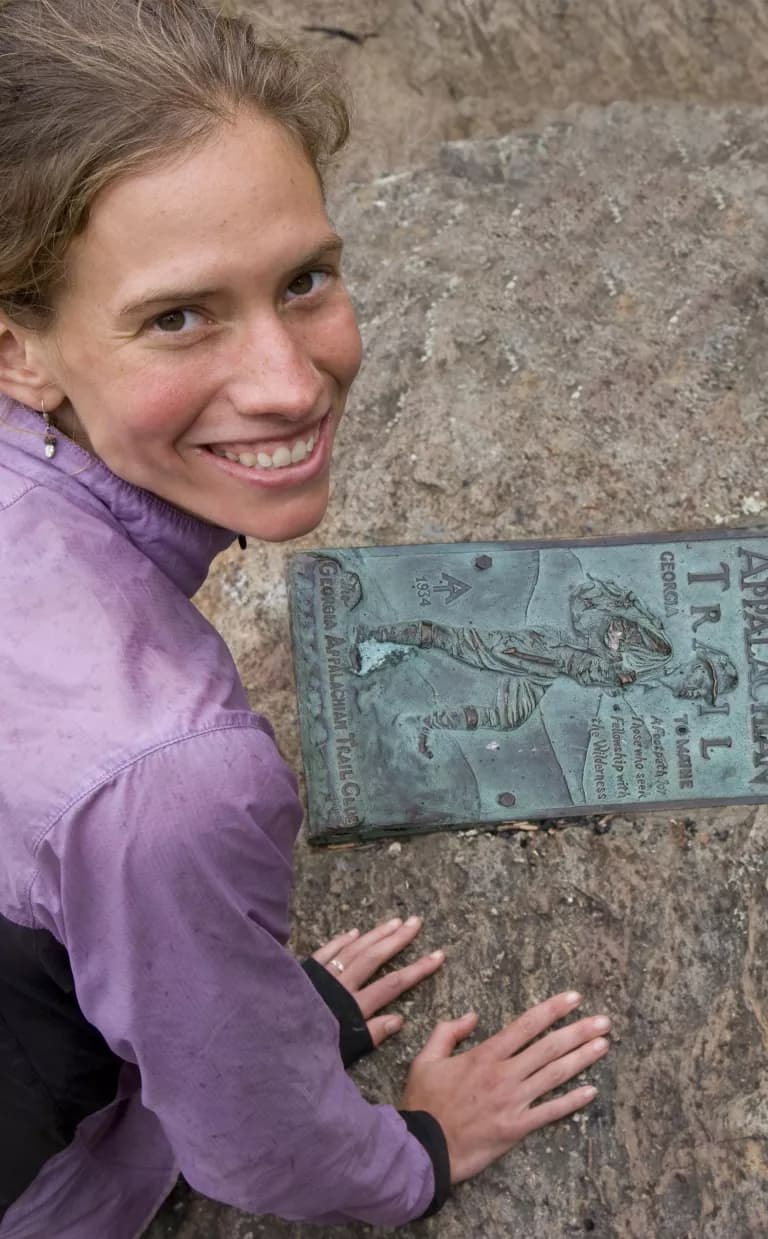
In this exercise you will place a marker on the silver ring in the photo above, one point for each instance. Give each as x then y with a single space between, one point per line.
337 964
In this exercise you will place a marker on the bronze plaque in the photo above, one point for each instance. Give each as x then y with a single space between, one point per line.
447 685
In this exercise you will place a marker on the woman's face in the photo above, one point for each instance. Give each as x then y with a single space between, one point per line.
205 340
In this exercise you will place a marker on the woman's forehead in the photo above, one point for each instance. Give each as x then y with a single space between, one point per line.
247 198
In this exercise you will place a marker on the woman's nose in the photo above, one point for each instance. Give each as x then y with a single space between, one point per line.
275 374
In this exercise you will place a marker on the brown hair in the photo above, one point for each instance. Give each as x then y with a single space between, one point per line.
92 89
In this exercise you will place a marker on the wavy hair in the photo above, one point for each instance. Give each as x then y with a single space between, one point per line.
93 89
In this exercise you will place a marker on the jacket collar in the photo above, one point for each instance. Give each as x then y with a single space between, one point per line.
181 546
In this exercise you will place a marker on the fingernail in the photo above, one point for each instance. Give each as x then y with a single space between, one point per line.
393 924
436 954
600 1044
393 1023
601 1023
413 920
352 933
572 997
589 1092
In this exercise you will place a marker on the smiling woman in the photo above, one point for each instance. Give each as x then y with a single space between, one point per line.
175 304
191 338
176 350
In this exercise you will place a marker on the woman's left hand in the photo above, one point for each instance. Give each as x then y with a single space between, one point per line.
353 958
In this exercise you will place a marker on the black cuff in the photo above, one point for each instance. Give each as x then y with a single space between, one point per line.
428 1132
354 1038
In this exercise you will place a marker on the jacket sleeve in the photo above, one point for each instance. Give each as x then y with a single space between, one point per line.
173 879
354 1037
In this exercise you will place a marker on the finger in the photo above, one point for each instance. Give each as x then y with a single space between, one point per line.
353 947
563 1069
534 1022
559 1108
384 1026
376 934
326 953
375 937
353 942
387 989
556 1044
446 1036
362 961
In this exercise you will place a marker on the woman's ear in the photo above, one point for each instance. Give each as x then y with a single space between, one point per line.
25 374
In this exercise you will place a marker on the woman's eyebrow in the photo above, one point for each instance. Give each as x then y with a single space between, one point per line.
330 246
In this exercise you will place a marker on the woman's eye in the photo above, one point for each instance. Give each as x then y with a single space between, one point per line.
176 321
308 282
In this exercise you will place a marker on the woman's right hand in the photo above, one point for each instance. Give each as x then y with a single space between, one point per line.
483 1098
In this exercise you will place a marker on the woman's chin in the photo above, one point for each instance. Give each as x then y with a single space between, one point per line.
282 527
290 534
268 517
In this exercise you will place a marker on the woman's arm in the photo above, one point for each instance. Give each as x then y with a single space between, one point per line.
169 885
174 880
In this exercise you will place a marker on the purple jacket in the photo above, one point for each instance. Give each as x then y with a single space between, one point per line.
146 828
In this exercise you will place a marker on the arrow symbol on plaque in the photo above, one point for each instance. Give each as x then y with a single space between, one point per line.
452 589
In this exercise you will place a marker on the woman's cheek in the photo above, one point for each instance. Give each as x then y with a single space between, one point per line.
164 407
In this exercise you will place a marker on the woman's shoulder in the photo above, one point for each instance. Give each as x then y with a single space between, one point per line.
88 603
116 679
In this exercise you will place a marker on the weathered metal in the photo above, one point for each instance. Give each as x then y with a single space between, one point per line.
619 674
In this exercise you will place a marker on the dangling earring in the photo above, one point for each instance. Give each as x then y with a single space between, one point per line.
50 439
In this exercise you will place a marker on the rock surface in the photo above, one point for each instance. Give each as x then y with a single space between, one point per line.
426 70
565 334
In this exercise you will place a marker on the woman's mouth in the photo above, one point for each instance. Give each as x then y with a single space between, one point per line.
288 452
276 462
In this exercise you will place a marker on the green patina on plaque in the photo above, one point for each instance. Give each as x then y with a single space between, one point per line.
482 683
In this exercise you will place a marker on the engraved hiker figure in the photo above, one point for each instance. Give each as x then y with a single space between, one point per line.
616 643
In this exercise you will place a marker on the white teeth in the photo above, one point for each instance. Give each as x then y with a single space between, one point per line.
280 458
